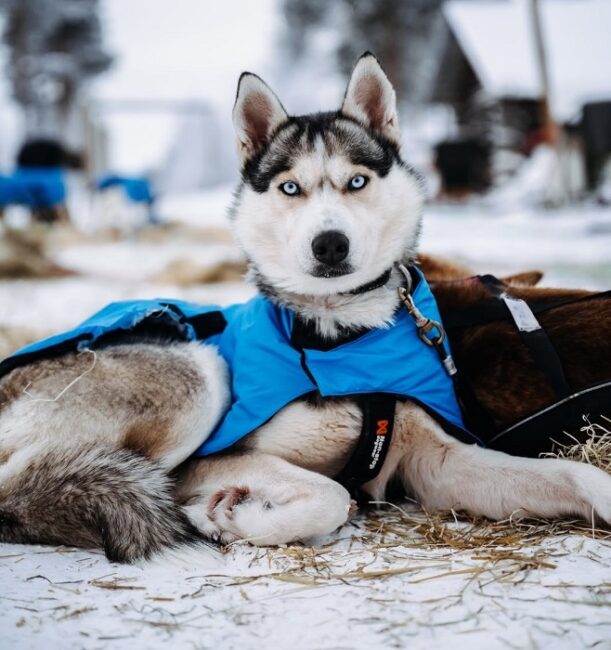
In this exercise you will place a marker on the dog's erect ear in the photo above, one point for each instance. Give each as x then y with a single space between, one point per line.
524 279
370 98
256 114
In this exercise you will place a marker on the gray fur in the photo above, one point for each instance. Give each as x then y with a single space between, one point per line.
94 496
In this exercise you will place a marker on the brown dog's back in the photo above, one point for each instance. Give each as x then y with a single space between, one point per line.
495 361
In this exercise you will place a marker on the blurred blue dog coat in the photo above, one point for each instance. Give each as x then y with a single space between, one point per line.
137 189
34 187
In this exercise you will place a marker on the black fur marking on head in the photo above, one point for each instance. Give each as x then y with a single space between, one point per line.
341 134
273 159
372 150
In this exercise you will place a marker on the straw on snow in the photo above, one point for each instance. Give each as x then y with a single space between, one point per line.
432 543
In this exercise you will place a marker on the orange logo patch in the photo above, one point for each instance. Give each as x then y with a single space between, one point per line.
382 429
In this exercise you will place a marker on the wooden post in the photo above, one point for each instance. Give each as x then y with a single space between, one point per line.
550 128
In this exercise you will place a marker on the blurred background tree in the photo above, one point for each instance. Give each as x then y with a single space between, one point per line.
55 47
407 35
467 74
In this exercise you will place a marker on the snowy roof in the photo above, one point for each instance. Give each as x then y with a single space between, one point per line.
497 38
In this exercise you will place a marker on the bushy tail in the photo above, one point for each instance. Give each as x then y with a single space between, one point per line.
93 497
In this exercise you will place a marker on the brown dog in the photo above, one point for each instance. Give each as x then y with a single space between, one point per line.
506 380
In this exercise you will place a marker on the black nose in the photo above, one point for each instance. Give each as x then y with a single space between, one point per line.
330 247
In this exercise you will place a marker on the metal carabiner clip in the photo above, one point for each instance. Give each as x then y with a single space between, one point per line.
408 278
429 326
423 324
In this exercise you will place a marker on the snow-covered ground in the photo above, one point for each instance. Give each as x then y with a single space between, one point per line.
572 245
388 580
382 582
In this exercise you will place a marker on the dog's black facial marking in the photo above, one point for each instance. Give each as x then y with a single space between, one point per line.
363 146
341 135
378 161
276 157
260 182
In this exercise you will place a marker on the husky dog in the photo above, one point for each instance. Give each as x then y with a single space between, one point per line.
325 209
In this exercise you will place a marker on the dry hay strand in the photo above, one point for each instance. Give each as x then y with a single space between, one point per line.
402 539
461 532
23 255
393 541
185 272
596 450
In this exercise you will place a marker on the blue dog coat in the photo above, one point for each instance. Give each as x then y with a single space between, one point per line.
137 189
267 370
34 187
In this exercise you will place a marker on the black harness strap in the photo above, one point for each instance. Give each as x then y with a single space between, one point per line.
534 336
378 411
547 360
477 418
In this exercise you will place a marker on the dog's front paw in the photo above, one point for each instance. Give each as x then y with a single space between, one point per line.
209 515
273 515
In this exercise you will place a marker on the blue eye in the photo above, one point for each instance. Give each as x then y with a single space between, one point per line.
290 188
357 182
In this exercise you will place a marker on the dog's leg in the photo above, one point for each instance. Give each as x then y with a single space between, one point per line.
158 401
261 499
445 473
190 420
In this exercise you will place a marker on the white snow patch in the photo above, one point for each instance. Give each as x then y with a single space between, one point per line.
258 597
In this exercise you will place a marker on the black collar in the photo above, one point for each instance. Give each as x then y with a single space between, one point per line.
380 281
305 335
